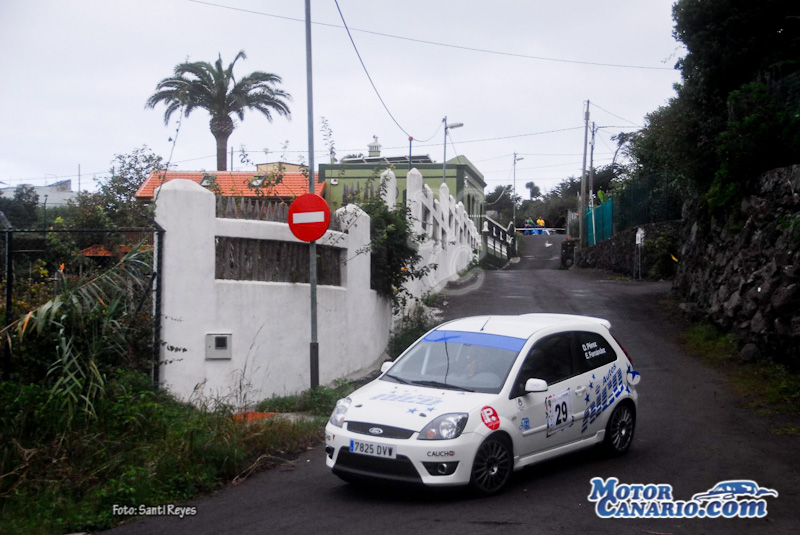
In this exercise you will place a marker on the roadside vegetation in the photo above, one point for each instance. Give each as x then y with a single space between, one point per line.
767 387
138 446
318 402
82 427
412 326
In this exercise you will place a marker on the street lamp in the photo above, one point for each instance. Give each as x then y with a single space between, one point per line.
444 158
514 192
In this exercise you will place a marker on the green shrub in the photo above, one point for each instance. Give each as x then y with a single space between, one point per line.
317 401
660 254
143 448
412 326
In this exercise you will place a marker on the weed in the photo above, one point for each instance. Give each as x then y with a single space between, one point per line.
142 448
707 342
412 326
316 401
769 387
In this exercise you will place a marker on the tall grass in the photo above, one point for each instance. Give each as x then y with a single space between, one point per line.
142 448
82 428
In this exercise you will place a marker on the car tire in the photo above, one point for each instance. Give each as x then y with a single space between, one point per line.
492 466
619 430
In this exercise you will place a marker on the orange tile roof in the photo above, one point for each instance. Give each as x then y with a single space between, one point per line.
233 184
95 250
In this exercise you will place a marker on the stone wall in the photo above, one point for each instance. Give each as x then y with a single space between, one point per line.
742 272
618 252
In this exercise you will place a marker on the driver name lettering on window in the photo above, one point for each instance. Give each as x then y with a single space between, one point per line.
590 350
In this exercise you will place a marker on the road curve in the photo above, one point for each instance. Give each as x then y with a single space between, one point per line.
692 432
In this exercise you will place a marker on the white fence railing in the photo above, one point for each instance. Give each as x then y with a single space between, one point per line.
498 240
453 241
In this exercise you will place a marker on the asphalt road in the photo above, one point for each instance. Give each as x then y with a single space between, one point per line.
692 432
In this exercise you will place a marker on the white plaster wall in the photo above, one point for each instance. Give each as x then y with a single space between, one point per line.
269 322
453 237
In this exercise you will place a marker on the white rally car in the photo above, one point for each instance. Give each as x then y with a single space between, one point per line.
477 398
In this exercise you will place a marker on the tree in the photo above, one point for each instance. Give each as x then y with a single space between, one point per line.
534 190
21 209
737 109
113 205
502 201
214 89
118 192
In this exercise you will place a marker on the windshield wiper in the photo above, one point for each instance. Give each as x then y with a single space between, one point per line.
397 379
440 384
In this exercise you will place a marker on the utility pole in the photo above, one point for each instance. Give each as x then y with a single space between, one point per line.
591 185
514 194
582 208
312 247
591 161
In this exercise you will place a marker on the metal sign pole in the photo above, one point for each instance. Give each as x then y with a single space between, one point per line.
312 247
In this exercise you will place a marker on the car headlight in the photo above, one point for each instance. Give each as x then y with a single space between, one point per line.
337 417
445 427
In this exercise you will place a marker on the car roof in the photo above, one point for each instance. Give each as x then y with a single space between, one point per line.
522 326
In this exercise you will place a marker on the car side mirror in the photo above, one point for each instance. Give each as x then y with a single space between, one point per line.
386 365
536 385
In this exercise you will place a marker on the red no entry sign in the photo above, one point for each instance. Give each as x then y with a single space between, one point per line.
309 217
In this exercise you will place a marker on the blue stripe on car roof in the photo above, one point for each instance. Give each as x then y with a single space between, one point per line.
479 339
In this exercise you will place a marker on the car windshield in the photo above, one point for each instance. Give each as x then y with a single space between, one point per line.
474 362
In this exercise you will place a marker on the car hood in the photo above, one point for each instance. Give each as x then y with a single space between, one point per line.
408 406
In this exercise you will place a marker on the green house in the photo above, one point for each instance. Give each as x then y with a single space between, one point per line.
356 178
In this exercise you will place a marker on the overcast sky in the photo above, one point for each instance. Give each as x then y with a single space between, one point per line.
76 75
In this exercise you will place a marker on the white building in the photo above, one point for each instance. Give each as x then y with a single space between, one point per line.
57 194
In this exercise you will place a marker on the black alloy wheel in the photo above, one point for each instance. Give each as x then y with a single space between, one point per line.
619 431
492 467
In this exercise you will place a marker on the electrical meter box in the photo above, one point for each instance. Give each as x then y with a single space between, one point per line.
218 346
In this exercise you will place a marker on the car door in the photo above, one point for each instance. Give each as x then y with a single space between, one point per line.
596 362
547 419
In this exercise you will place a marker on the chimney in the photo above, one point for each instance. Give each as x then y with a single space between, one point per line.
374 147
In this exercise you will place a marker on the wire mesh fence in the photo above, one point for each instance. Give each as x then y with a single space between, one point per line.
647 200
107 275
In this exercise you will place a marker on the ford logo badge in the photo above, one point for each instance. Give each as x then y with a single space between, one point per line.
375 431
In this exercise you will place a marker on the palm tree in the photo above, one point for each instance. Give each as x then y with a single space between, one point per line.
534 190
214 89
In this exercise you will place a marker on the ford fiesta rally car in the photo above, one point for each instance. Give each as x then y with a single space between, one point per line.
477 398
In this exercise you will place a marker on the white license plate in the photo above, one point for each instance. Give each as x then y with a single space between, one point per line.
376 450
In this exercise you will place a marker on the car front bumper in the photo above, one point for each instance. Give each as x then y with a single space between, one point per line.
427 462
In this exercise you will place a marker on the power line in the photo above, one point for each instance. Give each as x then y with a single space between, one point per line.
426 140
455 151
614 115
498 138
534 179
372 83
541 166
447 45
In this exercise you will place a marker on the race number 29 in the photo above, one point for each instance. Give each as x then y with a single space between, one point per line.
558 408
